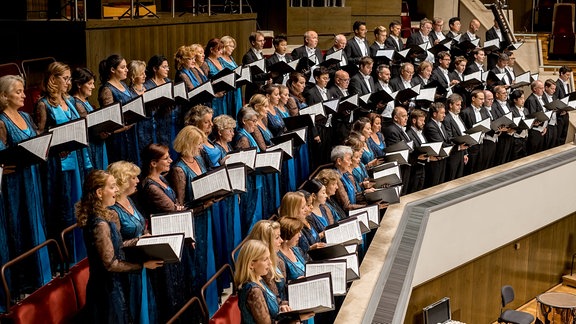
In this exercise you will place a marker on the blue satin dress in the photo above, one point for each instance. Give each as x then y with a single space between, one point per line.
367 156
204 265
124 145
271 302
233 97
297 269
251 202
219 105
23 214
140 300
378 149
65 175
301 155
272 196
98 151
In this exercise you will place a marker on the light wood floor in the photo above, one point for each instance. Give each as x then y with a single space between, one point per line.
530 307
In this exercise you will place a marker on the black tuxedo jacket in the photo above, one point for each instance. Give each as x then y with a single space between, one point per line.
439 76
497 110
358 85
313 96
465 37
391 43
273 59
332 50
299 52
417 79
471 68
450 34
452 128
560 91
393 134
396 84
433 133
433 37
469 118
335 92
353 51
379 86
374 48
533 105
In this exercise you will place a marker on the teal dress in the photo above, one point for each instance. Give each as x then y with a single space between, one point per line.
140 299
297 269
22 214
269 296
65 175
219 105
276 126
204 265
97 146
272 196
234 97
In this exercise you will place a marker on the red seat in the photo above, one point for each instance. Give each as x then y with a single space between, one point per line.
228 313
79 274
562 39
10 69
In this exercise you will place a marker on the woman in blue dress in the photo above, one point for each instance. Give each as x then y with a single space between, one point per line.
257 302
186 70
106 301
213 65
376 141
347 194
66 171
233 97
294 205
23 210
263 137
296 84
190 165
82 86
364 128
166 120
171 285
140 300
290 253
123 143
320 215
329 178
251 206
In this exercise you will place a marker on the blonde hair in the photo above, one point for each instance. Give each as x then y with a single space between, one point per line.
195 115
135 69
327 176
7 85
188 139
291 204
90 205
225 40
259 100
250 251
224 121
181 55
263 230
195 48
50 88
123 171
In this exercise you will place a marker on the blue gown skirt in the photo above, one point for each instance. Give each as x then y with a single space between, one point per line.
251 203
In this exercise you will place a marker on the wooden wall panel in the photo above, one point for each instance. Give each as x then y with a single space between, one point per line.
535 266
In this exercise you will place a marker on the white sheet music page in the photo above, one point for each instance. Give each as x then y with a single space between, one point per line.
382 173
301 132
372 211
351 262
135 106
344 232
248 158
268 159
211 183
173 223
286 147
74 131
180 91
160 91
237 178
38 146
112 113
337 270
310 294
175 241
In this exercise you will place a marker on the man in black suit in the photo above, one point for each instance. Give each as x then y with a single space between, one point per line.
357 46
434 131
478 63
340 42
254 54
500 107
534 103
500 69
380 35
470 34
454 24
488 148
340 122
395 132
562 90
362 82
417 159
471 115
551 137
404 81
495 33
457 76
308 50
455 127
280 45
441 73
320 149
318 92
436 34
394 42
383 83
421 37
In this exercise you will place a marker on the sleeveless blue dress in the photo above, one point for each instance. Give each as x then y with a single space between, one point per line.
219 105
23 214
97 146
65 175
140 300
271 302
124 145
233 97
251 202
294 269
204 257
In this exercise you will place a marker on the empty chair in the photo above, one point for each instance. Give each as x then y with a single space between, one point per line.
509 315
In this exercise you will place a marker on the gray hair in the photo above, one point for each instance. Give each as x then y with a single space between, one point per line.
338 152
7 84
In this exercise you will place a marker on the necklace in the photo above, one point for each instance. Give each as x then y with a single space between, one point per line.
138 90
188 161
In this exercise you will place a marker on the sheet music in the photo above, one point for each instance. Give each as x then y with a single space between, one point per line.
310 294
228 79
435 146
386 172
351 262
351 248
315 109
135 106
301 133
211 183
204 87
495 42
246 157
446 150
363 218
372 211
403 153
244 74
180 91
110 113
173 223
286 147
344 232
74 131
476 75
237 178
385 53
38 146
270 159
261 64
336 269
336 55
175 241
160 91
331 104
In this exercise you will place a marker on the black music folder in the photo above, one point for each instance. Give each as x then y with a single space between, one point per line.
106 119
213 184
202 93
69 136
158 97
31 151
406 94
316 110
468 139
399 146
282 67
389 195
386 177
297 136
400 157
297 122
503 121
243 76
287 148
133 110
330 251
244 156
348 104
482 126
167 248
224 81
257 67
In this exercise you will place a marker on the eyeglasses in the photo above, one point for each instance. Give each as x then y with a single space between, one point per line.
65 78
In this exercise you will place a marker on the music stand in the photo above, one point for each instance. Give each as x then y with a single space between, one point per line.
134 10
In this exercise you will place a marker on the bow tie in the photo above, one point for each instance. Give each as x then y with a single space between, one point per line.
366 77
323 91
